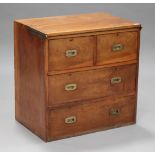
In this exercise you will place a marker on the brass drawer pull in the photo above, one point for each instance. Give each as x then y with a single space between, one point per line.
70 87
115 80
71 53
117 47
70 120
114 111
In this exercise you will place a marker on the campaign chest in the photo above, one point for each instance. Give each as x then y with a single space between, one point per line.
75 74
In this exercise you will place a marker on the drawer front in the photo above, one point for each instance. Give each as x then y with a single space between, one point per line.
71 53
118 47
91 84
75 120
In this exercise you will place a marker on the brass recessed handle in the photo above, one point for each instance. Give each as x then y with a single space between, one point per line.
71 53
117 47
70 87
116 80
70 120
114 111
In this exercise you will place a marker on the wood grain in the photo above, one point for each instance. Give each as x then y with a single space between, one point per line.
92 67
91 84
85 46
42 71
30 97
105 55
95 33
72 24
97 113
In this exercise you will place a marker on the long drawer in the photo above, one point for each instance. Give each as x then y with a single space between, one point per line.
91 84
88 117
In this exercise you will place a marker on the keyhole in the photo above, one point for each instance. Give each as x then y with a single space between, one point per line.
71 39
117 111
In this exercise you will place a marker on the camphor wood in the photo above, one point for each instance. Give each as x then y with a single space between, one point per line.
85 47
105 54
58 95
91 84
97 112
30 80
75 24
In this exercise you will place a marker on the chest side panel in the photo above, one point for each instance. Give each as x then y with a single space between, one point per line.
30 91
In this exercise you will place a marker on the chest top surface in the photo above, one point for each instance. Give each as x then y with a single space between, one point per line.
82 23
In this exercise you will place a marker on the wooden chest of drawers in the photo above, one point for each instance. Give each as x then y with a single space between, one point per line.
75 74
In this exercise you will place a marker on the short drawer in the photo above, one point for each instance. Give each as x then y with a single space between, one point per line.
89 117
91 84
117 47
71 53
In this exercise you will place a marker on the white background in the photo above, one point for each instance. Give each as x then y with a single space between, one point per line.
139 137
